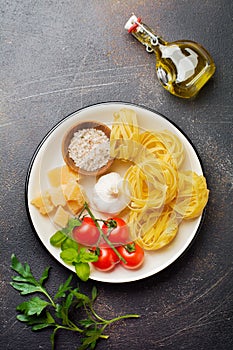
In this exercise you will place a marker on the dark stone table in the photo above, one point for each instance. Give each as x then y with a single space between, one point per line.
60 56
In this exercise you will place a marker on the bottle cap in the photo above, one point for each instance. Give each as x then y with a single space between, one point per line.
132 24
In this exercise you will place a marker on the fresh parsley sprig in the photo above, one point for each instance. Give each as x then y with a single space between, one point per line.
58 312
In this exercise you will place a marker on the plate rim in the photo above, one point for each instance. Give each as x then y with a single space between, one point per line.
43 140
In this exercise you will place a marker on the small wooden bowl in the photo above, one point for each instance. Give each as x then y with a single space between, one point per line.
66 142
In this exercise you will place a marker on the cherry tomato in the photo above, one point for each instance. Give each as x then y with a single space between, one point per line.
107 261
87 233
116 231
133 255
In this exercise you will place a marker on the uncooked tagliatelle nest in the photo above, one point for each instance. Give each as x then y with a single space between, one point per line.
162 194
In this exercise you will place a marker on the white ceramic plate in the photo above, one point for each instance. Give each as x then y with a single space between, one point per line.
48 156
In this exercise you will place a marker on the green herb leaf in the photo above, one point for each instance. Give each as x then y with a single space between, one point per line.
25 288
82 270
23 271
94 293
57 239
63 288
46 320
49 318
81 297
86 323
69 255
85 256
63 310
91 337
69 243
25 283
59 311
19 279
40 326
34 306
44 276
73 222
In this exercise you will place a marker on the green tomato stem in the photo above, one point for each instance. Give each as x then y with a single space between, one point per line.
102 234
80 214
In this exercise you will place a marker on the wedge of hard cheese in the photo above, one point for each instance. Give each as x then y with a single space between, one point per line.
74 197
43 203
61 176
61 217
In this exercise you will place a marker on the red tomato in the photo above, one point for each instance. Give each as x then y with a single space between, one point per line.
107 259
133 255
116 231
87 233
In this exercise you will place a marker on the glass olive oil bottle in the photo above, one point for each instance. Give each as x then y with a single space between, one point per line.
183 67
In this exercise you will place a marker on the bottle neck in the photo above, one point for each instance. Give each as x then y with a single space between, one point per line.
144 34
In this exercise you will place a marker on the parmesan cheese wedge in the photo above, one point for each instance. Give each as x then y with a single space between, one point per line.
72 191
64 192
61 217
74 197
57 196
43 203
75 206
61 176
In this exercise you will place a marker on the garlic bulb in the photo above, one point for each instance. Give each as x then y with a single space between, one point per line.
111 194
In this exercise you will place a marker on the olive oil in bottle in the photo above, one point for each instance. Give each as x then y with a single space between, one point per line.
183 67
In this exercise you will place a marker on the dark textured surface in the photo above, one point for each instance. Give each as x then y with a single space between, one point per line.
59 56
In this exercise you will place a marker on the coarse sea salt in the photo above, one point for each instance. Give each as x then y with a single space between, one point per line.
90 149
